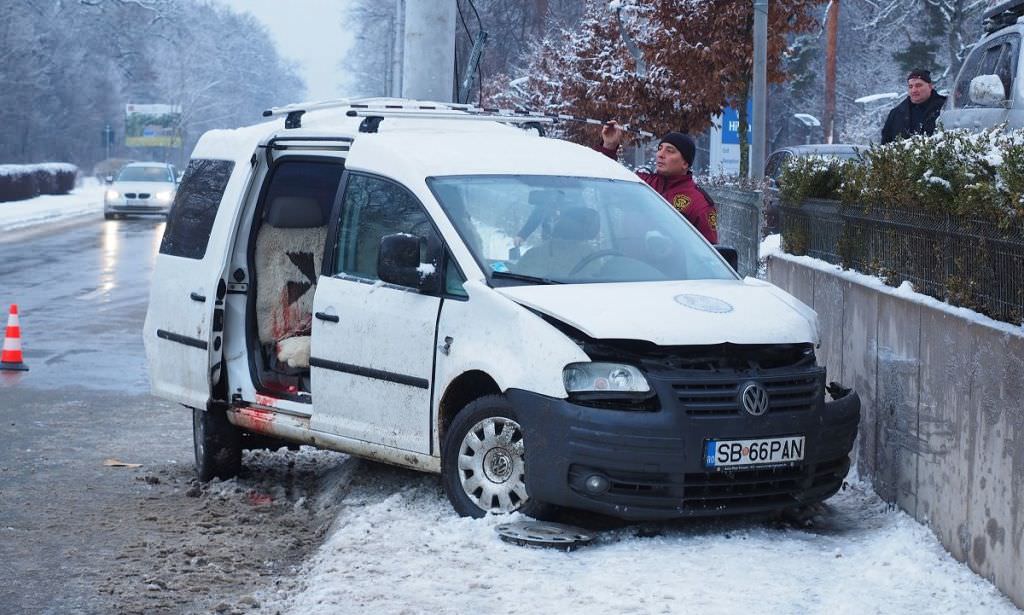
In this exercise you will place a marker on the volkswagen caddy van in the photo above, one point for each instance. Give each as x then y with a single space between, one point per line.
443 291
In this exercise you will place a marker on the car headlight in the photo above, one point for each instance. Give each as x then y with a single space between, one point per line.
112 194
165 197
603 378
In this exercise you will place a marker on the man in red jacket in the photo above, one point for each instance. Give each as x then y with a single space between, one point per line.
672 178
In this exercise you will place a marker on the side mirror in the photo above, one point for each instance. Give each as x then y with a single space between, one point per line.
109 179
987 91
730 256
398 262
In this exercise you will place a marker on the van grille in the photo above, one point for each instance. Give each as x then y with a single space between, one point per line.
717 491
786 393
757 487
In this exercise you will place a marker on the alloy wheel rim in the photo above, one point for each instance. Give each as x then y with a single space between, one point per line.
491 467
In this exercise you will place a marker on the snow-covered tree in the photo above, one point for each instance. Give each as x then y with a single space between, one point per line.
695 59
70 68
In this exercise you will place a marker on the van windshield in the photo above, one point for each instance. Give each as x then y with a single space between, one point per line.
571 230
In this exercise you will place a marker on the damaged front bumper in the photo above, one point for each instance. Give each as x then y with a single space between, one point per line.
650 464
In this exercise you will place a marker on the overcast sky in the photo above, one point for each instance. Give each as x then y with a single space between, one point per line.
309 32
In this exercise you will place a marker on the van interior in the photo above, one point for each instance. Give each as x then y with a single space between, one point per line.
286 257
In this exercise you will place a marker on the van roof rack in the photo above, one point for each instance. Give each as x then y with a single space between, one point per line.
1001 13
374 112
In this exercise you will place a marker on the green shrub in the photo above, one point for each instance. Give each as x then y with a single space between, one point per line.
954 172
944 211
811 177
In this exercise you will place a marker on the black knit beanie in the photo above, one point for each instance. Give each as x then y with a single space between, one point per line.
920 73
683 143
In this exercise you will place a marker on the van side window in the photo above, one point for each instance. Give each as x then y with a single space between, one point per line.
195 208
373 208
1006 69
453 279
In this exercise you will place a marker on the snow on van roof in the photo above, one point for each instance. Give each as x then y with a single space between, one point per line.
415 147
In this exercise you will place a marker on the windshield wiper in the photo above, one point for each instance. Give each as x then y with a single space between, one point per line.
523 277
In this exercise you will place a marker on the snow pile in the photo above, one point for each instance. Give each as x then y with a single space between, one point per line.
83 200
884 96
397 547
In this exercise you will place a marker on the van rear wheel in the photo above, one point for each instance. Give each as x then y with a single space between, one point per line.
218 445
483 467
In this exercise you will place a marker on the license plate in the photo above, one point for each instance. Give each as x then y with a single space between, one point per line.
761 451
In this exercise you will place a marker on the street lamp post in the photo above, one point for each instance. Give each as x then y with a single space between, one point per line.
760 110
108 140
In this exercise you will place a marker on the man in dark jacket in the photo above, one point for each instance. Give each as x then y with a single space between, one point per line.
917 113
672 178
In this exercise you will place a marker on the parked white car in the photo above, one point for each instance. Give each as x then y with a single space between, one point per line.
353 283
140 188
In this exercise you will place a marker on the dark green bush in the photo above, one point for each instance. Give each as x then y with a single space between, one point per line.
18 182
811 177
945 212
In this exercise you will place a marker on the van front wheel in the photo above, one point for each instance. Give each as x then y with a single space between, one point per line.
218 445
483 466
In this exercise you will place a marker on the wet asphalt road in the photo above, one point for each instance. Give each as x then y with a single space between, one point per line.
82 292
78 535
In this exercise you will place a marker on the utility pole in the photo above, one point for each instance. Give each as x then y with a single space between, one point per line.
428 54
760 97
397 45
830 71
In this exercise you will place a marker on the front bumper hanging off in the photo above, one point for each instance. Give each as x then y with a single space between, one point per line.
650 464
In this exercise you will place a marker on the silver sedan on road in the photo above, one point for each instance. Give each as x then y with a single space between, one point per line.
140 188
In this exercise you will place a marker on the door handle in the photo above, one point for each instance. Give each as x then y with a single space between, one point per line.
327 317
197 297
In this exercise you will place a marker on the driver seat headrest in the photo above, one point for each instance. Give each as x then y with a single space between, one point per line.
295 212
577 224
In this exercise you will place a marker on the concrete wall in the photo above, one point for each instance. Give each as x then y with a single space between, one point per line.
942 428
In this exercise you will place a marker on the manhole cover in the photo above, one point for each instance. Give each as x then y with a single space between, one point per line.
542 534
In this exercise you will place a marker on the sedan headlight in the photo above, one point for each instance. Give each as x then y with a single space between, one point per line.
165 197
603 378
112 195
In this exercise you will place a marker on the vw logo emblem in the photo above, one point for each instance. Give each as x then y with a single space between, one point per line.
755 399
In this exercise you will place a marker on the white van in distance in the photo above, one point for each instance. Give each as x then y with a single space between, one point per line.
520 314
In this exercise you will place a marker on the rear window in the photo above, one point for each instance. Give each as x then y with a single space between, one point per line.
195 208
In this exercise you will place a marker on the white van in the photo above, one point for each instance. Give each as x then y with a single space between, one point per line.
520 314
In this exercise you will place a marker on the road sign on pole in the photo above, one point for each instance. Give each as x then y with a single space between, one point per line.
108 139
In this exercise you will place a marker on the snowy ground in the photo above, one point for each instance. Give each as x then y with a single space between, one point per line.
397 547
85 199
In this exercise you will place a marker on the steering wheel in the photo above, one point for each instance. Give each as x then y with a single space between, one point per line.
586 260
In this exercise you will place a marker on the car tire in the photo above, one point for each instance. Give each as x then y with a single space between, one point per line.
483 462
217 444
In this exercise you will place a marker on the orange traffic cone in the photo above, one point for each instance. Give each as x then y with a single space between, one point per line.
11 357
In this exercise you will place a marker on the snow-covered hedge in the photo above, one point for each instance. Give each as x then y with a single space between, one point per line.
945 212
954 172
25 181
813 177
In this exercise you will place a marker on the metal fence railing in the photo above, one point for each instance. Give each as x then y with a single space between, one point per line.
739 224
967 262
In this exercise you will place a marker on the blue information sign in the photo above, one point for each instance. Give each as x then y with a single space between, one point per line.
731 125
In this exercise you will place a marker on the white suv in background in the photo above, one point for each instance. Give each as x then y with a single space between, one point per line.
140 188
